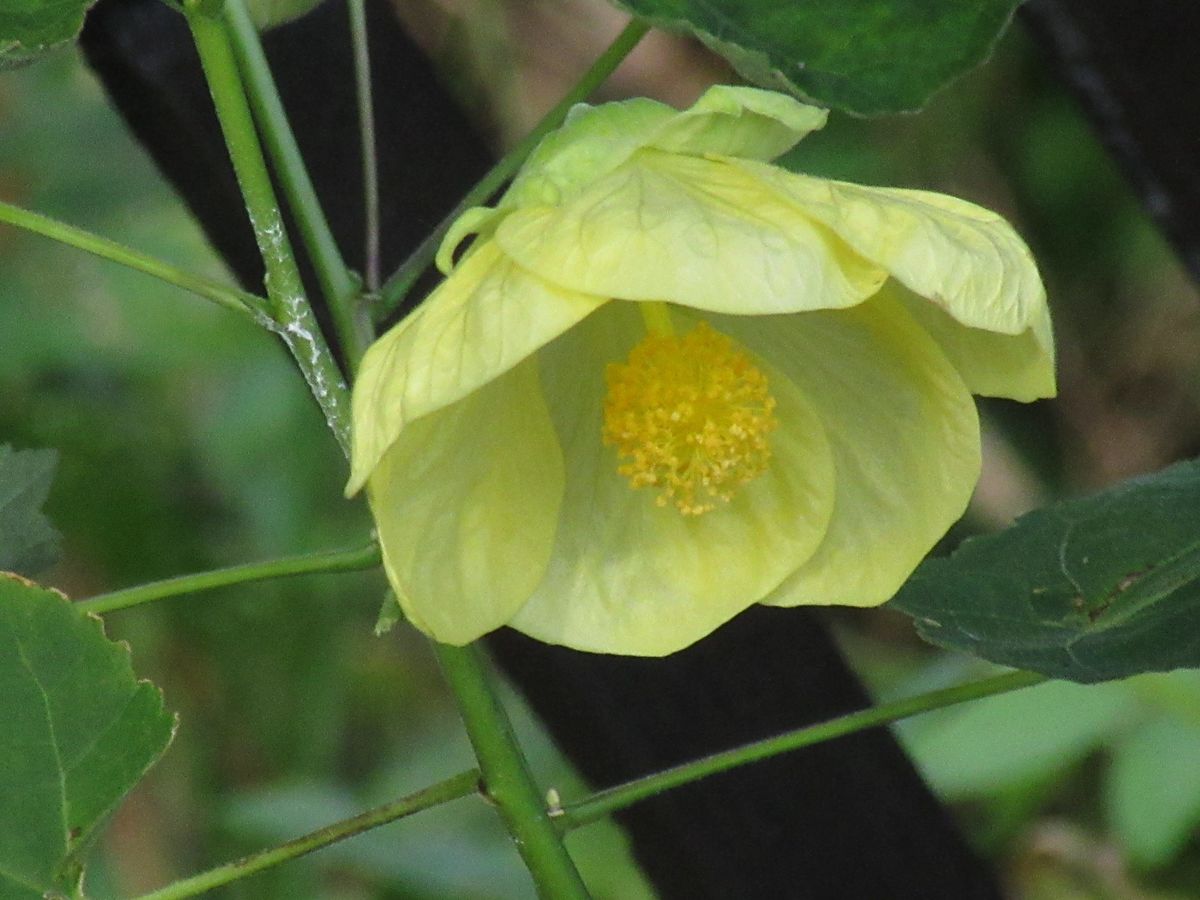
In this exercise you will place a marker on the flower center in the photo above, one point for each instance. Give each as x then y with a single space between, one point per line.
688 415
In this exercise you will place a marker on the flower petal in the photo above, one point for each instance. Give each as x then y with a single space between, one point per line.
594 140
965 259
904 435
466 504
740 121
690 231
630 577
1017 366
481 321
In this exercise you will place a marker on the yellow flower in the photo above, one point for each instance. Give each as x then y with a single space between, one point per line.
669 380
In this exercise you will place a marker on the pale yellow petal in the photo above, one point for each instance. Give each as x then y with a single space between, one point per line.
689 231
1016 366
479 323
594 140
740 121
904 435
466 504
961 257
630 577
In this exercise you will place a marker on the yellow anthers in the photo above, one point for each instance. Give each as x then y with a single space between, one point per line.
690 416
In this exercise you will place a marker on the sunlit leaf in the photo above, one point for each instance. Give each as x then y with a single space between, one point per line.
79 730
868 57
1154 789
28 543
1091 589
1001 742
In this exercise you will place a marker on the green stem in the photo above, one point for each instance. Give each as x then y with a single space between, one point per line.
231 298
460 785
506 775
296 323
338 284
308 564
366 122
398 286
616 798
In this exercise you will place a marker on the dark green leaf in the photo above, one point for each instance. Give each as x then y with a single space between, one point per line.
867 57
29 28
1092 589
28 544
79 730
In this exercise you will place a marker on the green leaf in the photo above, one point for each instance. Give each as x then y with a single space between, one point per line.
28 544
79 731
29 28
1154 789
868 57
1092 589
272 13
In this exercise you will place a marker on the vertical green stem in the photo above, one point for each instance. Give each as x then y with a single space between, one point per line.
506 774
338 284
370 162
296 323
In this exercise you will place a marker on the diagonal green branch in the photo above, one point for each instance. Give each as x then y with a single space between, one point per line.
308 564
401 282
605 802
223 295
460 785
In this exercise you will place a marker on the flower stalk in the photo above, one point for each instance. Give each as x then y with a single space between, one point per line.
506 774
396 288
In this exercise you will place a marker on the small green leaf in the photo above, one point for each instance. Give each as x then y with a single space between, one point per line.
272 13
29 28
868 57
79 730
1154 789
28 544
389 614
1092 589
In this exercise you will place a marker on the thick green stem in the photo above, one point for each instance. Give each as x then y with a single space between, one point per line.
296 323
366 129
398 286
231 298
338 284
309 564
616 798
506 775
451 789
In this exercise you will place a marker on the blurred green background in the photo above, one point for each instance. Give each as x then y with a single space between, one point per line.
188 442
